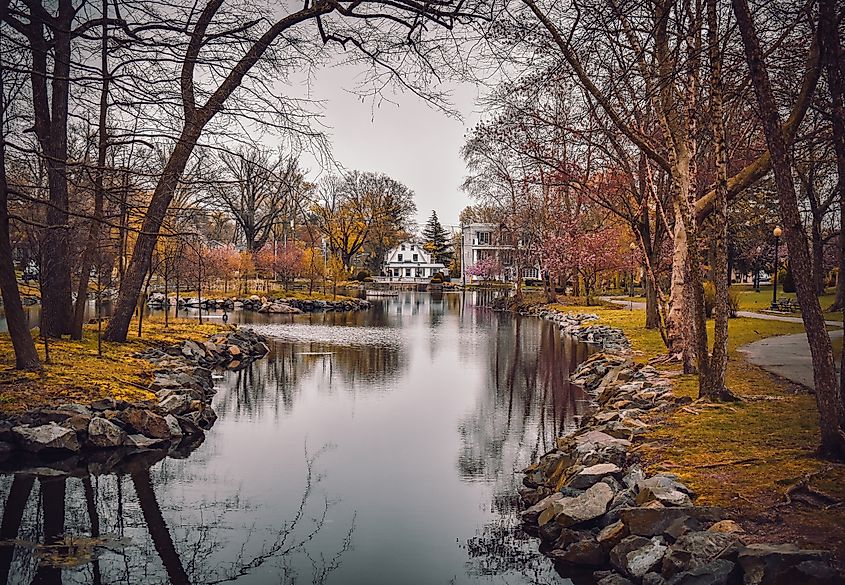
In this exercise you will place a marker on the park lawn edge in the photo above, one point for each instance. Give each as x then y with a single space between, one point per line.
77 375
741 456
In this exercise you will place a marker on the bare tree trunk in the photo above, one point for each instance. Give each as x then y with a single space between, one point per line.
828 398
652 308
26 356
833 56
133 279
51 117
94 229
713 386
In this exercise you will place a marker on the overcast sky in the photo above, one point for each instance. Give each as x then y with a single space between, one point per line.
408 140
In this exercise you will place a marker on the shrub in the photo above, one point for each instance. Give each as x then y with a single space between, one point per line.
786 281
437 279
709 299
368 279
733 302
362 275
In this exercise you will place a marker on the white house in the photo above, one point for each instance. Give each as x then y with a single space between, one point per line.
482 241
408 262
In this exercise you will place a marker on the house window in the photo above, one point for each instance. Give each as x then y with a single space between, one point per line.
413 247
399 257
407 272
483 238
402 247
416 256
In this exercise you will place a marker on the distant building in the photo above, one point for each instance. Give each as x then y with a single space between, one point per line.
409 262
485 241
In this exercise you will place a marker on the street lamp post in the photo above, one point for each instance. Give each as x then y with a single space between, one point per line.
776 233
633 248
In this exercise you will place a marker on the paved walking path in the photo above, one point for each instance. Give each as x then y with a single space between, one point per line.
787 356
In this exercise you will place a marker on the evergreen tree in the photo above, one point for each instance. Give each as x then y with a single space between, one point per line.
437 241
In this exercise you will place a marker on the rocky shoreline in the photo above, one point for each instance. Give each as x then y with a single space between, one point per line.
579 326
595 509
263 304
69 435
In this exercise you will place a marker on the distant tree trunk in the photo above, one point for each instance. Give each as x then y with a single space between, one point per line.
102 147
652 303
133 279
828 398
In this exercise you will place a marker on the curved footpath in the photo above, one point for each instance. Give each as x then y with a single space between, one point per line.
787 356
596 509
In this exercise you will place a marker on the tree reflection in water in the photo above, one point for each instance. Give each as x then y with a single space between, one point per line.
528 403
118 508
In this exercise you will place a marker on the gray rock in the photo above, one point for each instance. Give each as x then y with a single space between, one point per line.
175 403
696 549
173 425
532 514
614 579
656 521
76 408
141 442
717 572
784 564
653 579
146 422
635 556
634 475
103 433
590 476
585 553
192 350
49 436
588 506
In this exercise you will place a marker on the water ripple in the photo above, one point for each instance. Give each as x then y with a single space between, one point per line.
332 334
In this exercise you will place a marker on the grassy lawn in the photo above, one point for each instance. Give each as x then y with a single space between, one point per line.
743 456
77 374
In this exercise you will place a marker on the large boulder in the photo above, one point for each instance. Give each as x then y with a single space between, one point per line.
104 433
532 514
584 552
49 436
175 403
146 422
717 572
192 350
588 506
696 549
786 564
664 489
635 556
648 521
590 476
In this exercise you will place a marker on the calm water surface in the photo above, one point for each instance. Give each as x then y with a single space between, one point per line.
368 448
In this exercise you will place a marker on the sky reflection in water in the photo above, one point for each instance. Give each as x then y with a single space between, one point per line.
378 447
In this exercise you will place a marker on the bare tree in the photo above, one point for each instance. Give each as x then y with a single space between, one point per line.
828 397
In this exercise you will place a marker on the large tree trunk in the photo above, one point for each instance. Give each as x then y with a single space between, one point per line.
828 398
139 265
51 115
26 357
833 59
713 385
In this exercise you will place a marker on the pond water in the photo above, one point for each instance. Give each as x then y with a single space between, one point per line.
379 447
